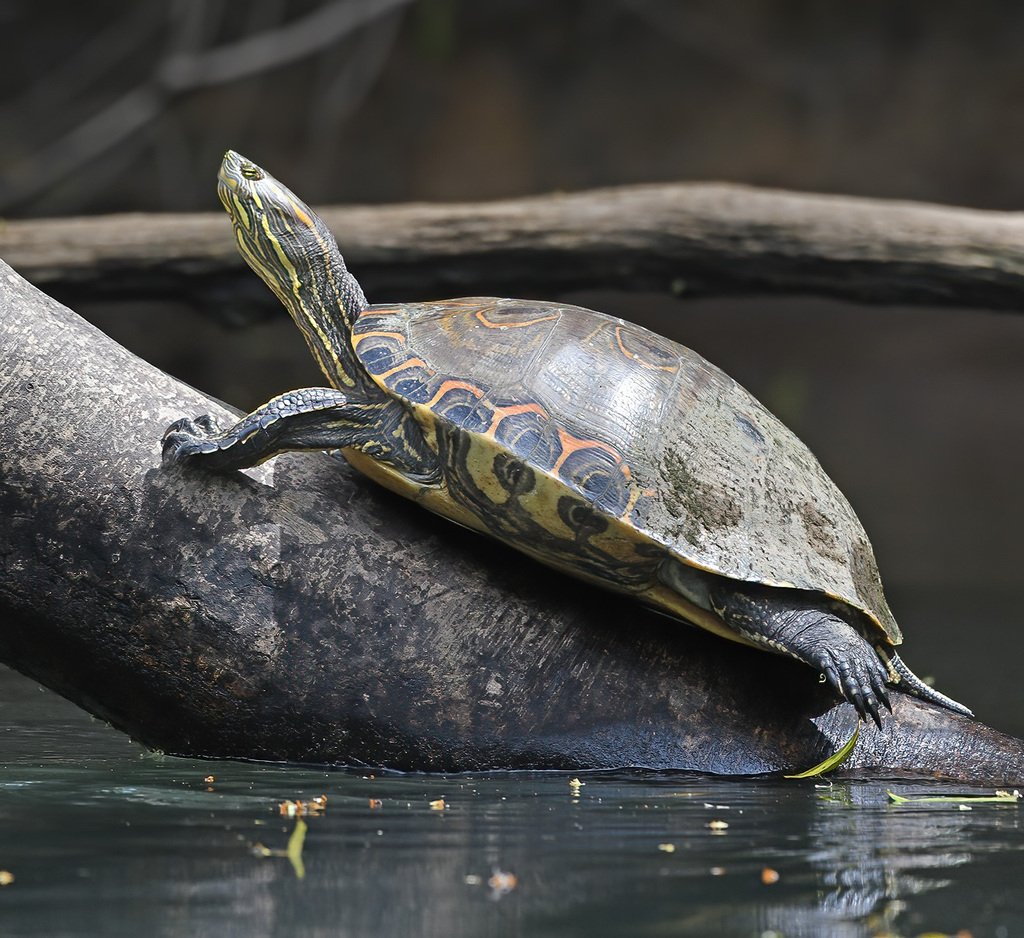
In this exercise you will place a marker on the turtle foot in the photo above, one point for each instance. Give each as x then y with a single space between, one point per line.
188 437
795 624
860 676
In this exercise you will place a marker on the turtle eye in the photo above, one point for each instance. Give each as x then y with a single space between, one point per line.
251 171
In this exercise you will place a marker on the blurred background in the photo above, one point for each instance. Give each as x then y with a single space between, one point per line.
114 105
916 413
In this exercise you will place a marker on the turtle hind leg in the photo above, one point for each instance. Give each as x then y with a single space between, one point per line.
798 626
912 684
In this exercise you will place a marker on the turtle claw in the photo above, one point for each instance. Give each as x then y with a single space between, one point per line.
860 677
188 437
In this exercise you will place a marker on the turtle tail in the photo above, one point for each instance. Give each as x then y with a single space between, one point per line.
912 684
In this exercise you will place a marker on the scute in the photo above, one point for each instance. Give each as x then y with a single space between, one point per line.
667 447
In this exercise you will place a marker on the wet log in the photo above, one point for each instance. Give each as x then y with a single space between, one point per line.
689 238
298 613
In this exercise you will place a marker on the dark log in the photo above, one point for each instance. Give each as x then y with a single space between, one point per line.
298 613
693 239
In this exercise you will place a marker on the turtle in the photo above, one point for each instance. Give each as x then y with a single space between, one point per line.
587 442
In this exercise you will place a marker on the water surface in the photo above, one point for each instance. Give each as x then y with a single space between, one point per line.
105 838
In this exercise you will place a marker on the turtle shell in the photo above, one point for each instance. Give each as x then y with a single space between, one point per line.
601 447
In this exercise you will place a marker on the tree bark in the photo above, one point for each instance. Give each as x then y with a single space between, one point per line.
298 613
687 239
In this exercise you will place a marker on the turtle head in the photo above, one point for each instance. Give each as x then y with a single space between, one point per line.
280 236
295 254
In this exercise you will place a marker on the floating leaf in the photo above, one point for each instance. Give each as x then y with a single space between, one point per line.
1000 797
834 760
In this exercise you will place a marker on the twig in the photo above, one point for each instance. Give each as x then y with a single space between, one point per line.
273 48
181 71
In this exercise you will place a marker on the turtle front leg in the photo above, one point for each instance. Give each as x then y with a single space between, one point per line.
297 420
798 626
308 419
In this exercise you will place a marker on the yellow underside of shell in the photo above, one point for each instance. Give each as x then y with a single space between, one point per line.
435 498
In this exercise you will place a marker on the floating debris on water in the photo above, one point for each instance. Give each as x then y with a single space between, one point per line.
502 883
299 808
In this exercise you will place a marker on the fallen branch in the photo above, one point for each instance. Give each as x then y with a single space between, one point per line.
297 612
692 239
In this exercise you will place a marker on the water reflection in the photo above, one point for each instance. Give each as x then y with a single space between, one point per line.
867 860
104 839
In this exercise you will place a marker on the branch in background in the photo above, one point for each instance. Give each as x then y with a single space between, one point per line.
688 239
180 71
272 48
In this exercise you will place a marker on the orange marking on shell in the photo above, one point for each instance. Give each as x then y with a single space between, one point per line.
637 358
500 413
410 363
513 325
571 444
356 339
450 385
